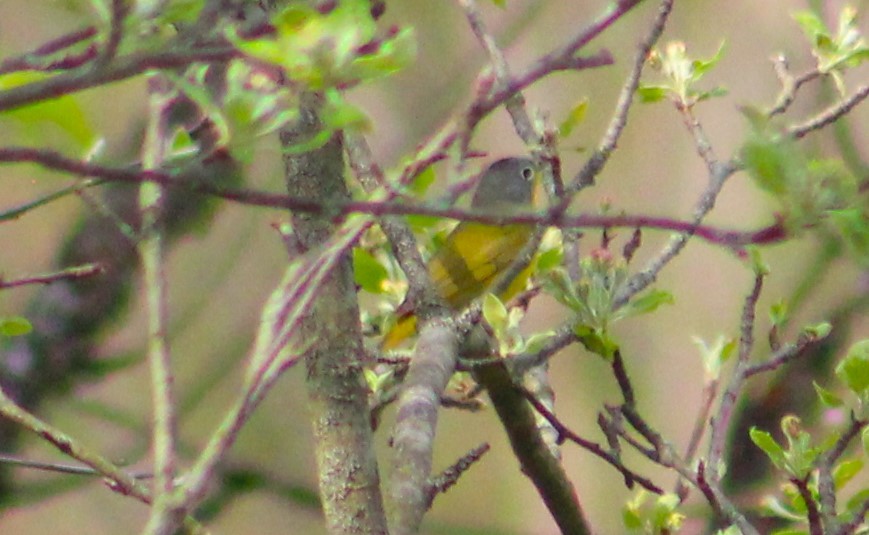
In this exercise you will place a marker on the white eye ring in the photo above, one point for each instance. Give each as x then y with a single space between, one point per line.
527 173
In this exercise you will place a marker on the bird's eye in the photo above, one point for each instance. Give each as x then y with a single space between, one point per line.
527 173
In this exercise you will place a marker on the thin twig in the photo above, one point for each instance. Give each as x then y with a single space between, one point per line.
120 481
790 85
728 238
701 423
830 115
72 273
61 468
812 513
826 484
721 506
450 476
122 68
701 142
566 433
163 519
721 422
783 355
34 60
120 9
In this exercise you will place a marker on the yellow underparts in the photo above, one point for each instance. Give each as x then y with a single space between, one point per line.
472 258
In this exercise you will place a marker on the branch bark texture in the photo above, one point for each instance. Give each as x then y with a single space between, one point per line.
338 402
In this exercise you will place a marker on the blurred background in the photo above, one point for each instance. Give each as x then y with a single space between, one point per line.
219 279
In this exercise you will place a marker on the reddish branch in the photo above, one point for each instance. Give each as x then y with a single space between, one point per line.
36 59
729 238
77 272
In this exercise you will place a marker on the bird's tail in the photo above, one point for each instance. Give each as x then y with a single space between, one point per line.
404 328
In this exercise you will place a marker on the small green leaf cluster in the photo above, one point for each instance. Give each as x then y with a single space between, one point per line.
799 457
810 191
323 50
853 371
834 50
63 114
14 326
337 47
592 297
504 325
377 273
649 514
375 269
681 76
716 354
252 105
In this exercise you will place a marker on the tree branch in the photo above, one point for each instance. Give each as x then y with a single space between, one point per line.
338 401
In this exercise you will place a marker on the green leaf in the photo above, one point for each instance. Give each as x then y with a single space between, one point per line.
180 11
652 93
255 105
834 51
812 26
819 330
845 471
329 49
375 381
773 162
855 503
649 302
423 181
828 398
557 283
770 447
666 519
496 315
596 341
575 116
370 379
391 56
339 114
61 112
774 507
538 341
800 456
779 313
715 92
14 326
369 273
758 266
701 66
422 223
715 355
550 259
853 370
682 74
632 514
853 225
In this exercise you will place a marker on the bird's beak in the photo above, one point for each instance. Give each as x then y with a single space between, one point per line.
539 195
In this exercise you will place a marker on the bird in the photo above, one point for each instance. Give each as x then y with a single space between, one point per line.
475 254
